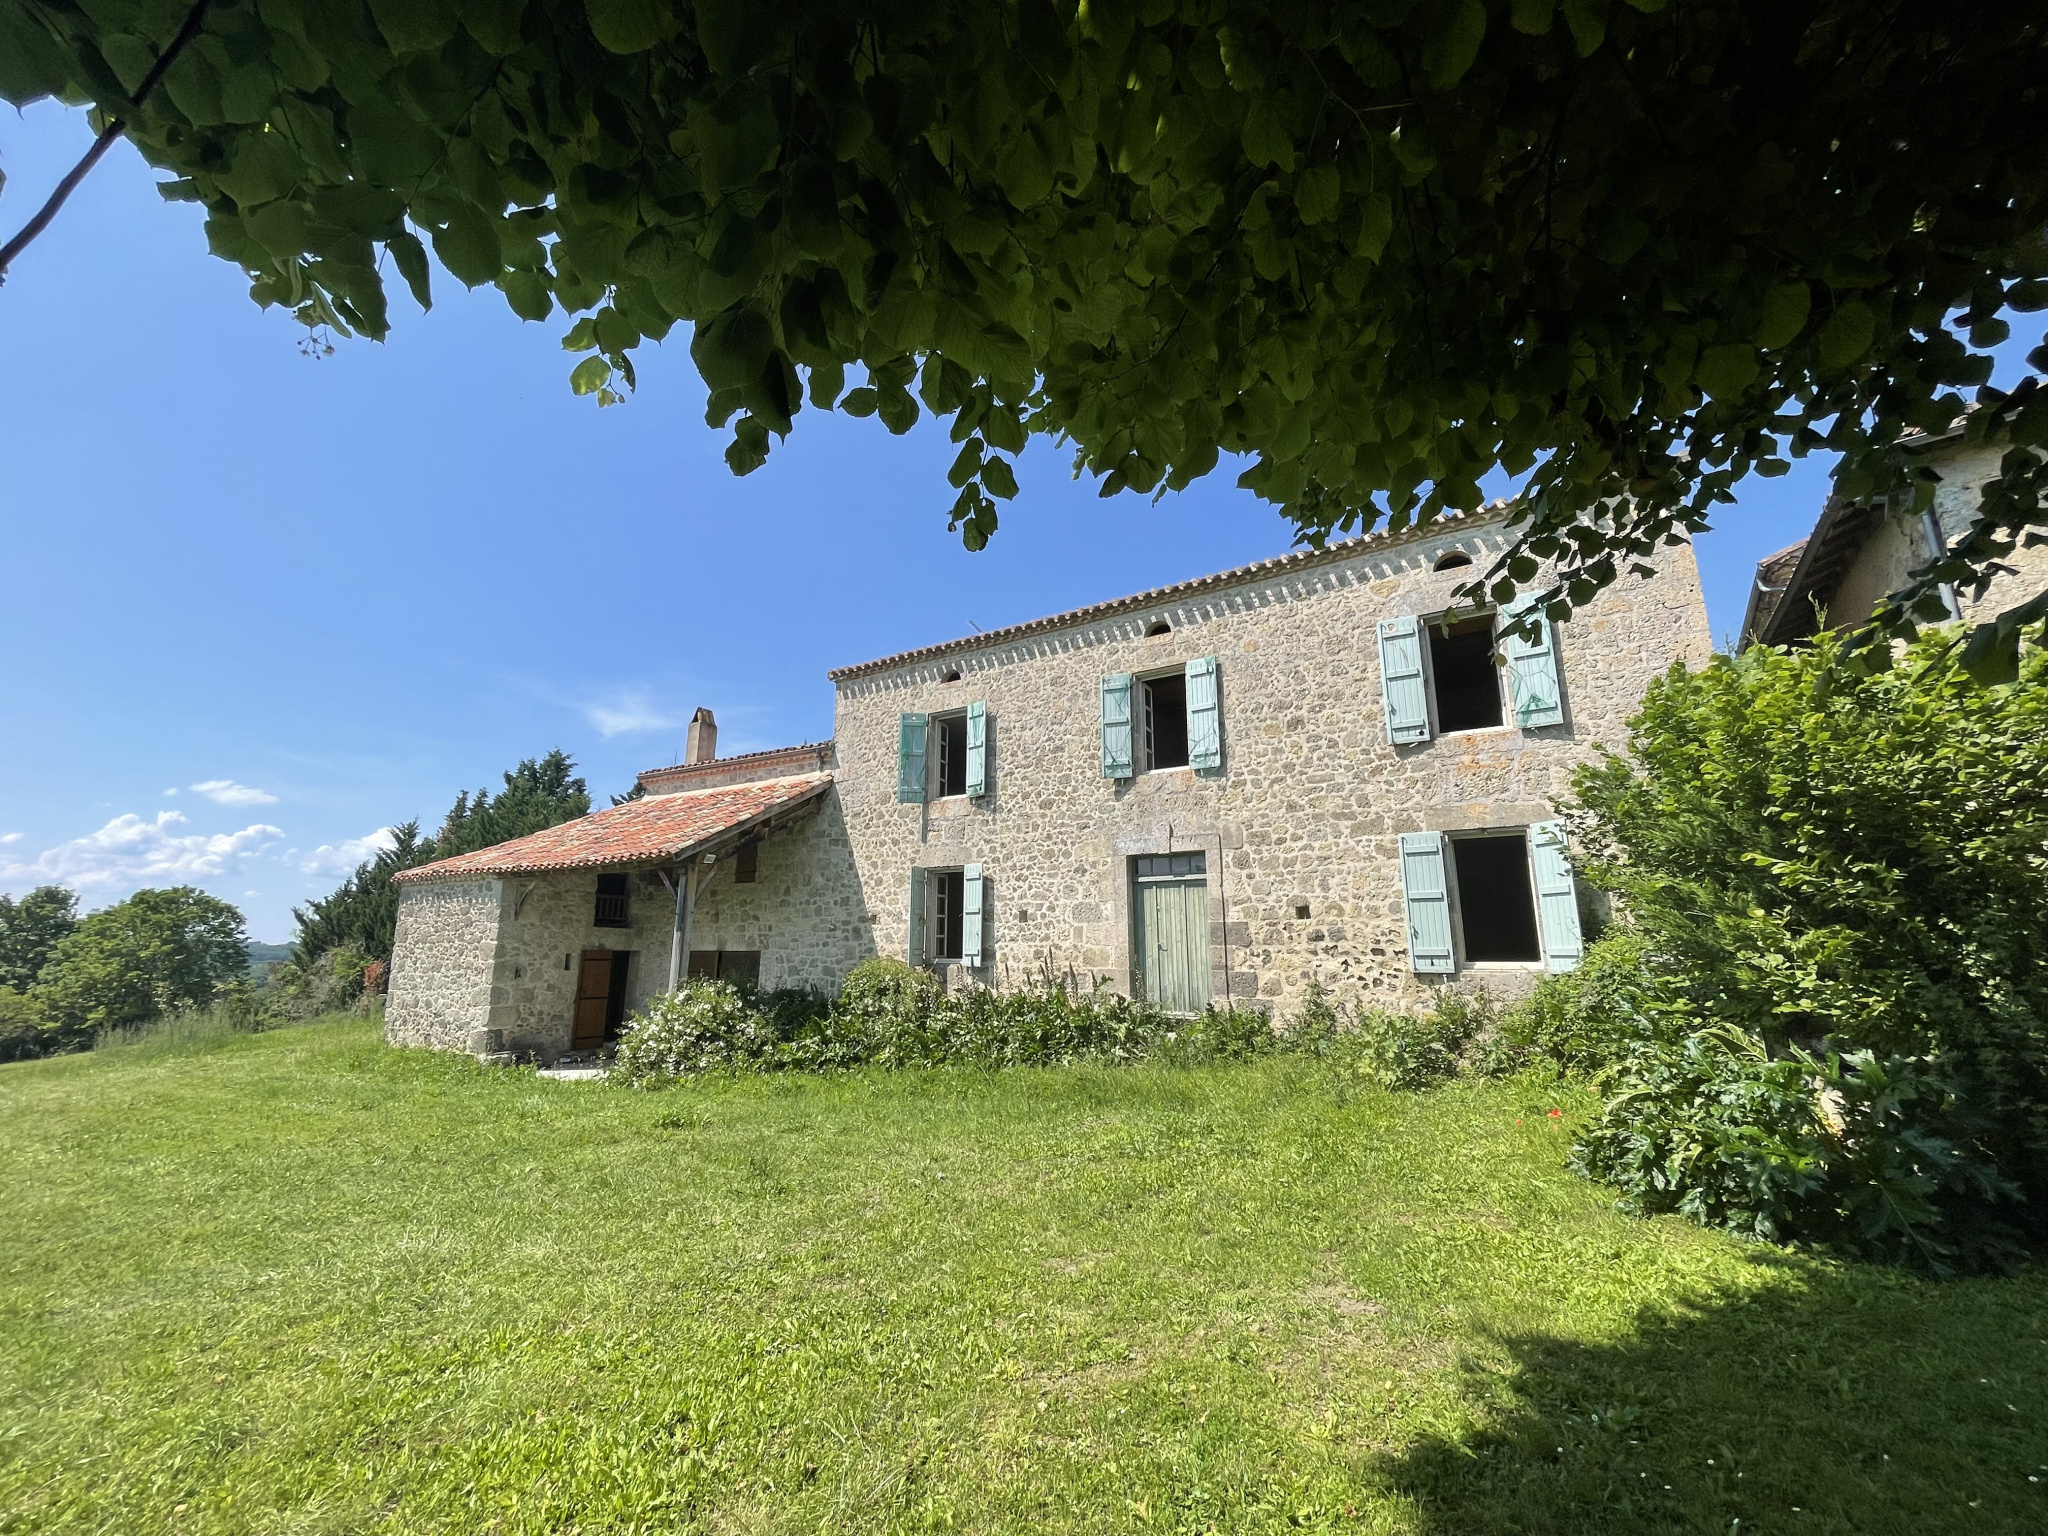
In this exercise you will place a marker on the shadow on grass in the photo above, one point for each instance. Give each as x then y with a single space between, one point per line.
1832 1399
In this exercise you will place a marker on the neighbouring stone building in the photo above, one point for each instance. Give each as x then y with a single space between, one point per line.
1861 551
1308 770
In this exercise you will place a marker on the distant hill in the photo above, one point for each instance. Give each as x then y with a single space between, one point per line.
260 956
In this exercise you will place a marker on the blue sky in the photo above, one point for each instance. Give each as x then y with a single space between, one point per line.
257 605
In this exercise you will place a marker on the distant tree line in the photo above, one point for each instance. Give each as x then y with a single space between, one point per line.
65 980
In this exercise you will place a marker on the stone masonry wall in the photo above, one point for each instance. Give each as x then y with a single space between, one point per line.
1307 811
443 963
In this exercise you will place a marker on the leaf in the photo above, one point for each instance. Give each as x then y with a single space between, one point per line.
527 292
1316 191
967 464
860 401
590 375
1266 138
1450 53
1376 227
999 479
827 380
411 258
469 246
1726 371
1533 17
1786 307
630 26
1588 22
1025 170
1847 335
732 349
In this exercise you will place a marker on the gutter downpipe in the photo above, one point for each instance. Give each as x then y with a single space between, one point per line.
1937 548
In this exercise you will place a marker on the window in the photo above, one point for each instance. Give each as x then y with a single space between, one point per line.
611 903
1164 702
949 765
1438 677
1158 627
949 906
746 862
726 965
1452 560
1467 683
1496 907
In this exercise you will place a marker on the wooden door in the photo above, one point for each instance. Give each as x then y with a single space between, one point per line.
593 1000
1170 938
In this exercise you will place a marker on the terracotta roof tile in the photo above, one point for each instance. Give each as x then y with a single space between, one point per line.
1260 570
658 828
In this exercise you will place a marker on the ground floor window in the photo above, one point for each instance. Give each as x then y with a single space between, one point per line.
1170 931
948 888
1496 904
737 965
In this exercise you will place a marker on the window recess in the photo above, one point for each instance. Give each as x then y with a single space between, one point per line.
1498 896
1164 720
946 916
612 903
1438 678
942 756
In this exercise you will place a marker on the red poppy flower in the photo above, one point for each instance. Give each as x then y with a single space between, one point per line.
1556 1114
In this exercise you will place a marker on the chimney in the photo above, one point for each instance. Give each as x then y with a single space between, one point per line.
702 746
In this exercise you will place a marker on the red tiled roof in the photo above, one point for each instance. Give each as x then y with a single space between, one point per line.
1444 522
649 831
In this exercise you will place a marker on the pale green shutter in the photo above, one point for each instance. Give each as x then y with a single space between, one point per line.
914 950
910 735
1116 726
1557 897
1429 903
1205 715
970 916
1532 667
1401 683
977 748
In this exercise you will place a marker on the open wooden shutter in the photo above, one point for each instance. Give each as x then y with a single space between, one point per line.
1532 667
1401 684
977 748
1205 715
1429 903
914 951
971 904
1557 897
910 737
1116 726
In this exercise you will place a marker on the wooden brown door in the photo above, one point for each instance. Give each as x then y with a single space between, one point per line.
593 1000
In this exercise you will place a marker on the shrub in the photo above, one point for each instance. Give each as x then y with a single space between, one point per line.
1419 1050
158 952
1838 869
24 1030
703 1026
1587 1019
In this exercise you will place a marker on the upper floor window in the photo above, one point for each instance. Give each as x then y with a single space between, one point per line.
1437 678
938 756
611 903
1168 720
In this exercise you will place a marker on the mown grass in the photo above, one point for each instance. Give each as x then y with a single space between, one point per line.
297 1282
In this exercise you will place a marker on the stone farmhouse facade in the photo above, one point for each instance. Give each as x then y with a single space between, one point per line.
1860 551
1311 770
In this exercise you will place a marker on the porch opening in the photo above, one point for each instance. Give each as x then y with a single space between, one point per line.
1467 681
1496 905
1170 931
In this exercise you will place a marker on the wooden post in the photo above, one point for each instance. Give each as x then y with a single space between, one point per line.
679 933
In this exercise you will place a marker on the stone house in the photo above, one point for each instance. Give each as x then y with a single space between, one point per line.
1860 551
1309 770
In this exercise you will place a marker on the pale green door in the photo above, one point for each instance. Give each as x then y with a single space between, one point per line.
1170 931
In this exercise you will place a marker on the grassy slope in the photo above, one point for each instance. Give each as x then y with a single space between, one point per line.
298 1282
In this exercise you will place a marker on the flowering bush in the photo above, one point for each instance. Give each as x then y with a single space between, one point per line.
703 1026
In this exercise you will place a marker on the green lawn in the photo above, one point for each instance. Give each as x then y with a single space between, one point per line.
298 1282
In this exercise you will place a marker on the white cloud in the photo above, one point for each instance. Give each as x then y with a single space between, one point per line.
10 837
624 713
228 792
130 851
342 858
169 792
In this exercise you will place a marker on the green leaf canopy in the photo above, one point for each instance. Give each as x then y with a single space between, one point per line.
1379 248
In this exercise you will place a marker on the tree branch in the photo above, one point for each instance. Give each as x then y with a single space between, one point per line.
113 130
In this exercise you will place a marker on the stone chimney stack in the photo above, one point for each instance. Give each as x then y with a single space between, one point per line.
702 745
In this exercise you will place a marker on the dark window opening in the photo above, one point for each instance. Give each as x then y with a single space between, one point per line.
1159 627
1166 721
746 863
734 965
615 1000
1452 561
1467 681
1496 910
952 676
611 903
949 900
951 746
